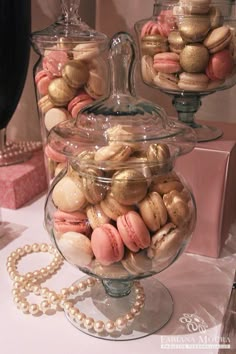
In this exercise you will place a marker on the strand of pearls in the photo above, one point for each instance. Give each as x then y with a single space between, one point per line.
31 282
12 149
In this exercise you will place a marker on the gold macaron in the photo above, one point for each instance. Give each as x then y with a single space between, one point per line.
151 45
75 73
194 58
59 92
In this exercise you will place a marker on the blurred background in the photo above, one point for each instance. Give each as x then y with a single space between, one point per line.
108 16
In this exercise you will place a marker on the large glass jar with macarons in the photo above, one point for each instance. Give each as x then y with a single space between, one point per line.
120 213
71 73
188 51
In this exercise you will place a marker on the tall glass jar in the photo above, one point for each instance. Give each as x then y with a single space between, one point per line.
71 73
120 212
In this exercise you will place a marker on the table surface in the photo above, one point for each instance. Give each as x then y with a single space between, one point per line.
200 288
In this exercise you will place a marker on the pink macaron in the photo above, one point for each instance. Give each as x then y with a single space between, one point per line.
42 80
220 65
167 63
107 244
133 231
74 221
79 102
150 28
53 154
166 22
54 61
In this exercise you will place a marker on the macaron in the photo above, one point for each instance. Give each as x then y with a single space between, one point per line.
149 28
193 82
221 64
147 70
55 116
113 208
194 28
53 154
107 244
164 184
54 61
176 42
152 44
194 58
76 222
94 188
86 51
113 152
153 211
216 17
129 186
165 244
218 39
133 231
166 81
68 195
96 85
42 81
60 93
167 62
137 263
166 22
45 104
81 100
75 73
177 207
195 6
96 216
76 248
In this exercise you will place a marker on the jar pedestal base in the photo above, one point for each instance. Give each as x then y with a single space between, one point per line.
96 304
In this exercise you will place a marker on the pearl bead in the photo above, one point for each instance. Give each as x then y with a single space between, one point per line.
35 247
44 292
99 326
80 317
20 252
33 309
27 249
16 285
135 311
139 304
64 292
73 290
45 306
17 299
88 323
73 311
67 305
24 306
82 286
129 317
54 298
121 323
110 326
44 247
90 282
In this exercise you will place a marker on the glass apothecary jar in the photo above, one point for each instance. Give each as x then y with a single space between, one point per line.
71 73
120 212
187 50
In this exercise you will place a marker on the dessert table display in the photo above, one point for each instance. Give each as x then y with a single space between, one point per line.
187 50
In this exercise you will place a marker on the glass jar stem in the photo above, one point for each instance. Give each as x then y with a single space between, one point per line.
117 288
70 11
186 107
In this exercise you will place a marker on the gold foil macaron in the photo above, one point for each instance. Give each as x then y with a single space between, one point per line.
194 58
60 92
151 45
194 28
75 73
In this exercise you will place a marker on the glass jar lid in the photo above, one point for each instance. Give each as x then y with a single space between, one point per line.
122 118
67 30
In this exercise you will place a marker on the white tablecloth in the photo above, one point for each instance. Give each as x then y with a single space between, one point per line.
200 288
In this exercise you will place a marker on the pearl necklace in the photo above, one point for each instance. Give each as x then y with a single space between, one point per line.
31 282
18 149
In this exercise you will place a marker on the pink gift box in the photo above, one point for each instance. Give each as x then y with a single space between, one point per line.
20 183
210 170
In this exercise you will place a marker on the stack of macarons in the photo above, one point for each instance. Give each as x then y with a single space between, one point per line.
69 77
121 210
188 47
